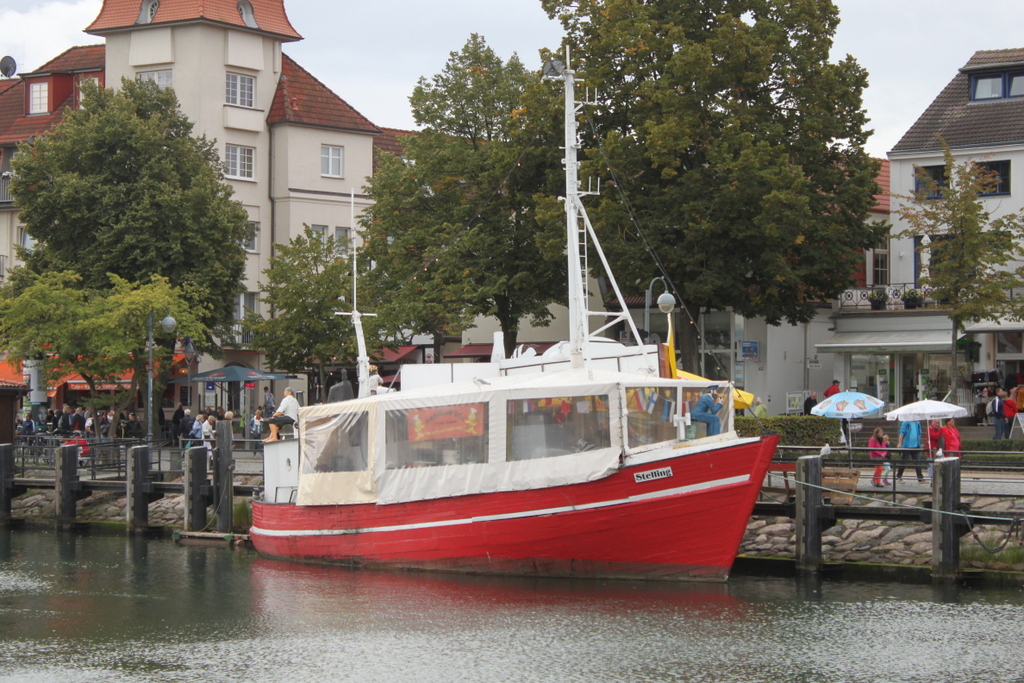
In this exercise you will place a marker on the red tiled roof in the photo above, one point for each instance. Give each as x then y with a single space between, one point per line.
15 124
81 58
388 143
302 99
963 123
270 15
882 200
7 83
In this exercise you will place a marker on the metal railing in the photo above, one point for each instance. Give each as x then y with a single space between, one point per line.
239 336
859 297
5 190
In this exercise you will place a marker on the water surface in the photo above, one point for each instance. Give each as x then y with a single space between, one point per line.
107 608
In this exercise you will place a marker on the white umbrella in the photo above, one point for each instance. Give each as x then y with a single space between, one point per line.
927 410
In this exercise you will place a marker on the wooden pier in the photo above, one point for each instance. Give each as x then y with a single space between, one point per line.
138 480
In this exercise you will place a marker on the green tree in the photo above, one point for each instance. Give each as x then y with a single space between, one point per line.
122 186
973 258
453 232
737 144
98 334
305 285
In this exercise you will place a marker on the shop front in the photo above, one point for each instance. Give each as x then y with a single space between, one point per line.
897 366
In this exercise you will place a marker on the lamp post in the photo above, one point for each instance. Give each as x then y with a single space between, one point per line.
647 303
168 324
190 355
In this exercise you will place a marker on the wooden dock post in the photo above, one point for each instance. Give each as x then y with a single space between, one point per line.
66 486
138 489
223 478
8 491
196 489
808 509
945 527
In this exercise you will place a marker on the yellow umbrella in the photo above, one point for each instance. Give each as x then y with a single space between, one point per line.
740 399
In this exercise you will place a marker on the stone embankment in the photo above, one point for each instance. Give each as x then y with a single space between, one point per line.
883 542
108 506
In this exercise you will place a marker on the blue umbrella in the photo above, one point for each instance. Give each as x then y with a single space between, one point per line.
849 405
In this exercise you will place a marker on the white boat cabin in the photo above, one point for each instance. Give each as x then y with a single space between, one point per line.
500 434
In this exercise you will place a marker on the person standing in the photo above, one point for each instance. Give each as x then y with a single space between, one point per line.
810 402
934 444
1010 410
951 440
997 411
760 409
269 404
832 390
879 441
176 423
910 442
287 414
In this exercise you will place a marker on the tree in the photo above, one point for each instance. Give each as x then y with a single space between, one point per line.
305 285
453 232
973 258
738 146
122 187
100 335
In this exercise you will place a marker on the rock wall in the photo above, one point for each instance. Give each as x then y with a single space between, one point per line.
886 542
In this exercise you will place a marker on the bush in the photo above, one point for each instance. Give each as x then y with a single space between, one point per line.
795 430
1015 445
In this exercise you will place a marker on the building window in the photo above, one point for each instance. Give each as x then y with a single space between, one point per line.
239 162
247 303
147 13
251 240
39 98
25 240
240 90
331 161
245 11
342 240
93 79
162 78
880 265
997 86
1001 172
933 189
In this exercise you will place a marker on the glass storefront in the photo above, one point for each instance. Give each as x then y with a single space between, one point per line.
869 374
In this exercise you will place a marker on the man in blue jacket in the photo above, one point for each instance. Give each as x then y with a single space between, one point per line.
910 441
706 409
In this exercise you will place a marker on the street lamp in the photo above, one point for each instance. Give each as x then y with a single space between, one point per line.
168 324
666 303
190 355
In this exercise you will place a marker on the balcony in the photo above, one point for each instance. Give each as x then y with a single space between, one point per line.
238 338
857 299
5 189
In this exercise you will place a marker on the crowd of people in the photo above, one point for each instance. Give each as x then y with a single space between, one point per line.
83 422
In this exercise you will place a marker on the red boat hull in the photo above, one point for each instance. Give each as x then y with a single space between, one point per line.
685 524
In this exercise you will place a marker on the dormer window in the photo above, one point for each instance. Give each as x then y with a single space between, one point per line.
147 13
245 11
997 86
39 98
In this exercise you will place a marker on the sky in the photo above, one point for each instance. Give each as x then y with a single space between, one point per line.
372 53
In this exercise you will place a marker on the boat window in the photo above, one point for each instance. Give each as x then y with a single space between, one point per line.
649 413
442 435
335 443
546 427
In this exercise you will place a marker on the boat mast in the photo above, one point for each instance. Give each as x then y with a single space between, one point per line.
362 359
576 236
578 227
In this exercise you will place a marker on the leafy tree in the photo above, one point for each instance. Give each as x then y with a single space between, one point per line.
122 187
737 144
453 232
973 258
304 286
100 335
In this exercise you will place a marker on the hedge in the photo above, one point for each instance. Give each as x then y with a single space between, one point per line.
796 430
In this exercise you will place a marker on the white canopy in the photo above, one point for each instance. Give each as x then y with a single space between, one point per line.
927 410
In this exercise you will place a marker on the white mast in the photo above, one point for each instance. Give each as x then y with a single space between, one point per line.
362 359
578 227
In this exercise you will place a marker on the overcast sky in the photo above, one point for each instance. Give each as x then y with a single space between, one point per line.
371 54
